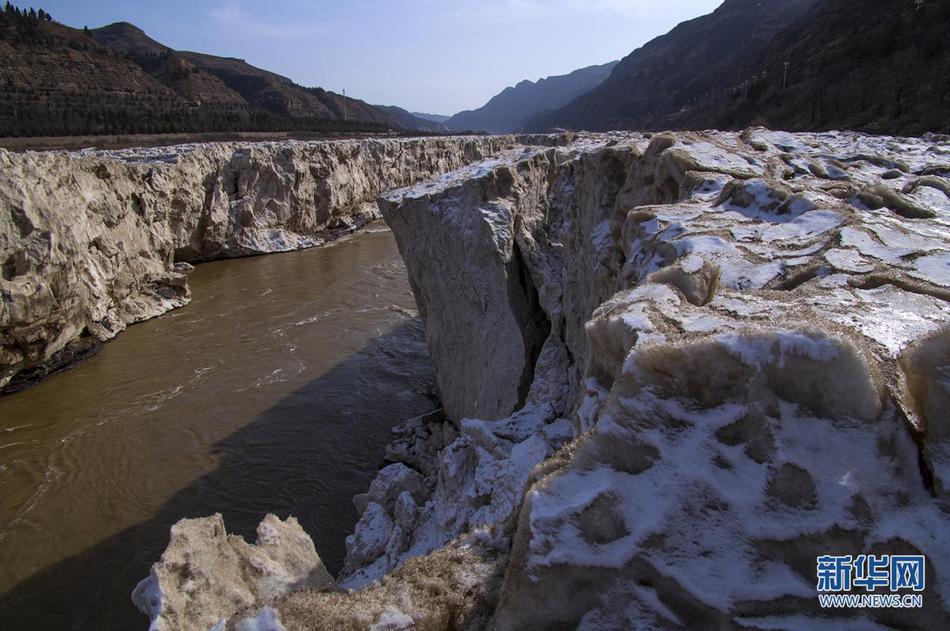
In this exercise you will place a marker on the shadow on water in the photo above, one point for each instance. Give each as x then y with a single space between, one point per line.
279 463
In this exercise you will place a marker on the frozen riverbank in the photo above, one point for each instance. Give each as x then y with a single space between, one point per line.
676 368
92 241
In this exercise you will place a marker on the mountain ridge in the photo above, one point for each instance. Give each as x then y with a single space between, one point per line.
645 79
116 80
504 112
866 65
435 118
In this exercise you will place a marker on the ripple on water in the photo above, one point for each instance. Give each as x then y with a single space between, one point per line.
233 403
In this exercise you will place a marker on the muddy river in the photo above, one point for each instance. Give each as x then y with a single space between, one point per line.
273 391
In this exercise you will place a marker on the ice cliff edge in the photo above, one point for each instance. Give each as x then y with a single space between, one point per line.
676 369
92 241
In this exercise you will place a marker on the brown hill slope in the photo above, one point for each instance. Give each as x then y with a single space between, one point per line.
117 80
649 79
872 65
172 69
507 109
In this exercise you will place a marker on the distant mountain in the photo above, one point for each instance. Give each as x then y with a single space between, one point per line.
873 65
648 81
116 79
505 111
435 118
408 120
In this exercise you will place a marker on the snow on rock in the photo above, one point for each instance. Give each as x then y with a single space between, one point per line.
675 369
89 240
748 334
480 249
205 575
392 620
452 588
266 620
718 469
477 479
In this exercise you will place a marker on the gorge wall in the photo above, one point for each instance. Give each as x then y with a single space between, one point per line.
736 332
675 369
93 241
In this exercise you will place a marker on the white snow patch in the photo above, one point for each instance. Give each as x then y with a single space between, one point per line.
848 260
934 268
392 619
692 264
266 620
757 350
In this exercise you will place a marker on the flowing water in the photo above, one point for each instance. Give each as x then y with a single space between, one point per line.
273 391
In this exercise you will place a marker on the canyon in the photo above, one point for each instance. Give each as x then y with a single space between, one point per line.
706 365
674 368
93 241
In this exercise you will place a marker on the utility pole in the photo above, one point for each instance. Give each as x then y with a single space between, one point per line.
785 76
344 105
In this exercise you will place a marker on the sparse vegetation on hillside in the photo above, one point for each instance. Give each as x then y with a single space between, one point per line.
870 65
875 65
61 81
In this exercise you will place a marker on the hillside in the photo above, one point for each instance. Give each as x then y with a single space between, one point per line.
116 79
650 78
435 118
871 65
506 110
881 66
410 120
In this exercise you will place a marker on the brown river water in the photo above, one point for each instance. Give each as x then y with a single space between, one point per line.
275 390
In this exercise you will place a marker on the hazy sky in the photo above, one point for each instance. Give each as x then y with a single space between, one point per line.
424 55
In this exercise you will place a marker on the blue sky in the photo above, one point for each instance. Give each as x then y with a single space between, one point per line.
424 55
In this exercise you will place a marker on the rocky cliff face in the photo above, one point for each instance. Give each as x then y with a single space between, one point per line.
676 369
93 241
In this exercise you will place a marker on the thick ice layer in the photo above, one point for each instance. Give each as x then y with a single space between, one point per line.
717 470
206 575
729 319
675 369
89 240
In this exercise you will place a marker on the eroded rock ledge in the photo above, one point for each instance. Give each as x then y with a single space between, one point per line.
675 369
96 240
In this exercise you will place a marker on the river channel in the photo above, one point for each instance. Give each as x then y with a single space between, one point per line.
275 390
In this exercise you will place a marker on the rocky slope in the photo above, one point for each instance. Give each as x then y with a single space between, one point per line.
652 78
505 111
407 120
871 65
676 369
93 241
116 80
885 76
